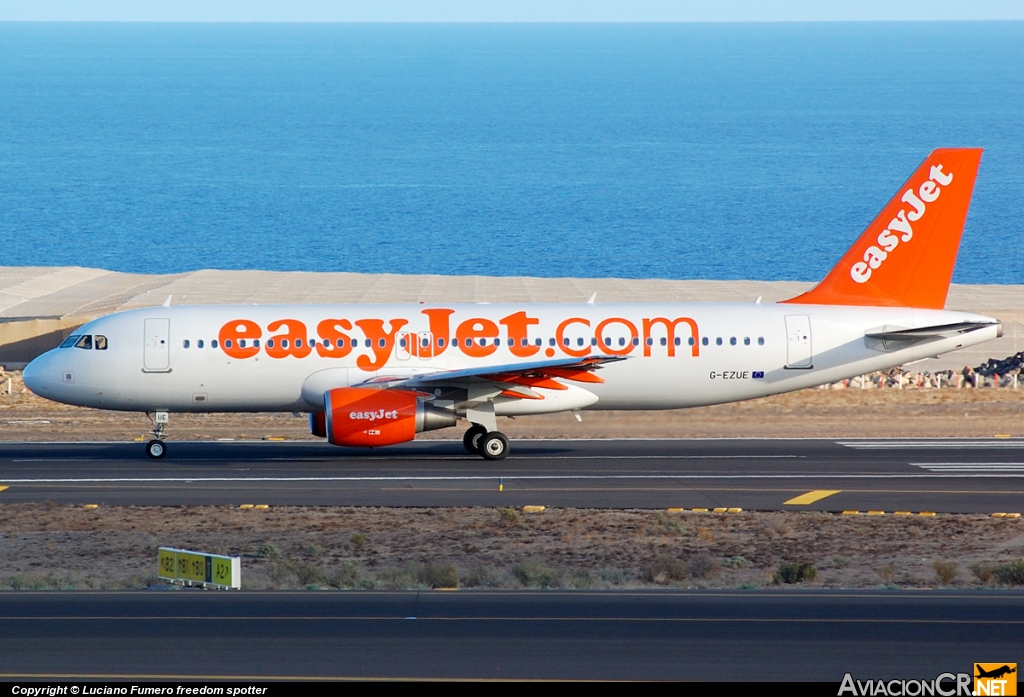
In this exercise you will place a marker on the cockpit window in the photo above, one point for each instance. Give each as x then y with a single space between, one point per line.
84 342
70 341
101 342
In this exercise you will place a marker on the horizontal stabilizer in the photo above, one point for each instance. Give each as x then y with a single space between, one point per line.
940 331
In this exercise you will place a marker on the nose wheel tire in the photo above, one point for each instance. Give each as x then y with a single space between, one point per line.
494 446
472 439
156 449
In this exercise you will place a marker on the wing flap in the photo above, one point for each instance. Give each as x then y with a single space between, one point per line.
529 374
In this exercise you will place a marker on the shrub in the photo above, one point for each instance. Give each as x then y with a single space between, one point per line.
307 573
982 572
483 576
357 540
438 576
702 566
1011 574
533 573
797 572
736 562
508 516
665 568
268 550
886 572
945 571
347 575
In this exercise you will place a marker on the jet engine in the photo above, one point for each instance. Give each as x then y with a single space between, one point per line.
364 417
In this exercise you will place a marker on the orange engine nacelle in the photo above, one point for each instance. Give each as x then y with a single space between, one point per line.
318 424
358 416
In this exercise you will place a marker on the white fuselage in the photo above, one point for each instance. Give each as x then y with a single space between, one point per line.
153 360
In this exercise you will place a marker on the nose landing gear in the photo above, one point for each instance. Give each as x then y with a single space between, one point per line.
156 449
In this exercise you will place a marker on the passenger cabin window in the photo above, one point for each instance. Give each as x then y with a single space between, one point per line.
199 344
746 341
184 343
760 341
84 342
70 341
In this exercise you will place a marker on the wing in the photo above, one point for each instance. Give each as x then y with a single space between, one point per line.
510 379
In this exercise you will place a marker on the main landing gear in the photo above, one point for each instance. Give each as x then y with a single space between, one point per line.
156 448
491 445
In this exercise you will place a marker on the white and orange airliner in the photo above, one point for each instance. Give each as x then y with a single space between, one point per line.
373 375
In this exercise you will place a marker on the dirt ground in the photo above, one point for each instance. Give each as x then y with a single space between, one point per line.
49 546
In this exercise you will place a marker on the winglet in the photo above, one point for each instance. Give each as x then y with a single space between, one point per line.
906 255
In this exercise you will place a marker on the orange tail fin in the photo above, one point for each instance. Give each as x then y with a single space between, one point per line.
906 255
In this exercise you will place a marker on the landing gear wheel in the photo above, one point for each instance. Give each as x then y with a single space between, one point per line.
494 446
156 449
472 439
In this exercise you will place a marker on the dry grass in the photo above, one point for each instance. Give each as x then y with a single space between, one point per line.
59 546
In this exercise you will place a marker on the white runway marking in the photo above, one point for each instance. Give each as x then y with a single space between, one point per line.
930 444
452 457
971 466
495 477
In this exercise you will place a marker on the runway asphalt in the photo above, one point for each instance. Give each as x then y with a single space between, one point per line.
914 475
661 635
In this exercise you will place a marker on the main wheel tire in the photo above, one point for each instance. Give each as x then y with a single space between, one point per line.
472 438
494 446
156 449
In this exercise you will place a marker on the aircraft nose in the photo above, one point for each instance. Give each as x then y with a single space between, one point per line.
36 375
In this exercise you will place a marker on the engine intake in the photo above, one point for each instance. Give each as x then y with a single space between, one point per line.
364 417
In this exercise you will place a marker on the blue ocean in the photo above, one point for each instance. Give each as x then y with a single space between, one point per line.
719 151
